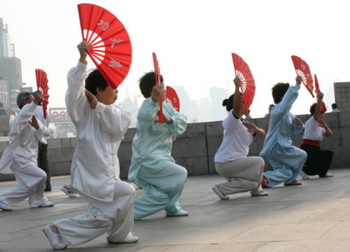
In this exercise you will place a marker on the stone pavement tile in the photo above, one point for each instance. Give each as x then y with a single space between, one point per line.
312 217
285 232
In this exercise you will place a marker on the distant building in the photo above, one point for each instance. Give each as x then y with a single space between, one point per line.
10 70
342 95
217 95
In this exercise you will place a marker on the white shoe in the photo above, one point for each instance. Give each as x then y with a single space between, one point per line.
4 207
68 191
328 175
179 213
129 239
54 238
47 204
217 190
304 175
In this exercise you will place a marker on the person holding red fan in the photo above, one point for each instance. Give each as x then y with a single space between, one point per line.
286 160
20 156
316 129
151 165
101 127
242 173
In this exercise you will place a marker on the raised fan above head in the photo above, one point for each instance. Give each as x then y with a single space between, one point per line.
172 98
110 45
158 82
42 85
302 69
317 86
247 85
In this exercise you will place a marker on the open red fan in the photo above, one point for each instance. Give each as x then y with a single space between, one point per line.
303 70
317 87
247 86
41 82
110 45
317 91
158 82
172 98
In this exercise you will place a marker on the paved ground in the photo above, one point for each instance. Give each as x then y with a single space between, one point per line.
311 217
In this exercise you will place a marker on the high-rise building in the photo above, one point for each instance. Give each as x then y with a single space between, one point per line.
10 70
5 45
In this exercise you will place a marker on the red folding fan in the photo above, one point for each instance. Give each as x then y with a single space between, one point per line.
172 98
247 85
110 45
41 82
317 91
303 70
158 82
317 87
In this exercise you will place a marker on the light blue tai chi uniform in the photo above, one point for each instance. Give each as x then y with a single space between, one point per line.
286 160
151 166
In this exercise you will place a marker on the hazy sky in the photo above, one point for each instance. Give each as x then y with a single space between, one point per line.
193 40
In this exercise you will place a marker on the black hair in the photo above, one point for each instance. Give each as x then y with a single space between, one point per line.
95 80
228 103
334 105
147 82
278 91
313 108
22 97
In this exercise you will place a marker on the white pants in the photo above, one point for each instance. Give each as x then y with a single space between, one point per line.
115 218
244 174
31 182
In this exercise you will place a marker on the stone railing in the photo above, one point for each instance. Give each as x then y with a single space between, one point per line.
196 148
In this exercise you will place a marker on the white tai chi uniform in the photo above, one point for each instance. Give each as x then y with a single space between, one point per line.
20 158
95 168
231 162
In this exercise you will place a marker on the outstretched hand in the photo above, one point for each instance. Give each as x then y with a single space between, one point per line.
158 90
34 122
297 122
91 99
298 79
83 48
250 126
38 97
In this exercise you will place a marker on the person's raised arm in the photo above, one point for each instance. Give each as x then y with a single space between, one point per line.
83 48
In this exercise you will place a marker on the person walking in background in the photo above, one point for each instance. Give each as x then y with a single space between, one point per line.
151 166
242 173
20 156
335 107
43 161
286 160
318 161
101 127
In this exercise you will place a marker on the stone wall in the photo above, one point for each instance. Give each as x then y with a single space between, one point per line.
195 149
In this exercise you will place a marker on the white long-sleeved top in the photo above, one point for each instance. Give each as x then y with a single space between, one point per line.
24 140
95 164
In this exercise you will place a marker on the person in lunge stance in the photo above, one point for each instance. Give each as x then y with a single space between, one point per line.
95 167
151 166
20 156
286 160
316 129
242 173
